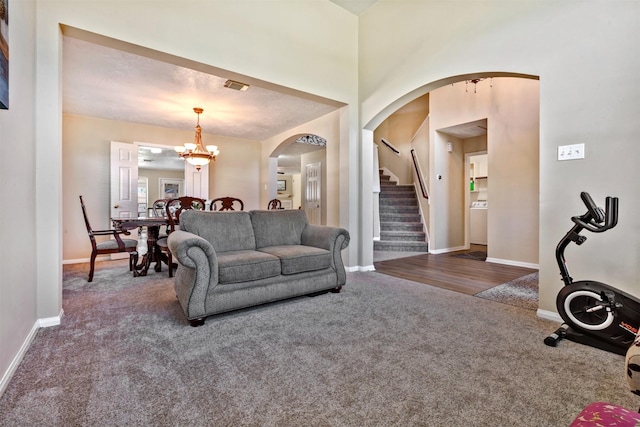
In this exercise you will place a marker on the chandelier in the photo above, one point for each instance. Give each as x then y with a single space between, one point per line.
195 153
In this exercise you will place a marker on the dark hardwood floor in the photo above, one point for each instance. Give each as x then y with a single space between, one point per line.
468 276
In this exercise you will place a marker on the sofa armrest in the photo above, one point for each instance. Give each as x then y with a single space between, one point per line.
325 237
632 366
333 239
197 271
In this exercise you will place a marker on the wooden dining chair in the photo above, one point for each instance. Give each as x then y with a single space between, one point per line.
158 208
173 208
274 204
226 204
159 211
111 246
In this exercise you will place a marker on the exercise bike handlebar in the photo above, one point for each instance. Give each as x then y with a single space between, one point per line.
596 220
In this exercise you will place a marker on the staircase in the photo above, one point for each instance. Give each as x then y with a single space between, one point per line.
401 227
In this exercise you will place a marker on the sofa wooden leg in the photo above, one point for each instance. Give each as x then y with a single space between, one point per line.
336 290
197 322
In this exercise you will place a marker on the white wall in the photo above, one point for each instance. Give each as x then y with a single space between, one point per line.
85 171
18 281
586 55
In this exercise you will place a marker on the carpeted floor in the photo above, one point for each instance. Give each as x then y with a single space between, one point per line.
383 352
521 292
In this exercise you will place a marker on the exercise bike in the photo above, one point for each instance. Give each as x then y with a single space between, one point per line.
595 314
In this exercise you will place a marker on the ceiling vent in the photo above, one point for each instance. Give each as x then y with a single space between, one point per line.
231 84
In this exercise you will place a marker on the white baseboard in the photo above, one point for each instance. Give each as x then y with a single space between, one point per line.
4 382
75 261
446 250
110 257
359 268
40 323
514 263
549 315
51 321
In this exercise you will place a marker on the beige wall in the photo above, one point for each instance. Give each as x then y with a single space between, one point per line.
85 160
510 106
334 176
585 54
399 129
18 281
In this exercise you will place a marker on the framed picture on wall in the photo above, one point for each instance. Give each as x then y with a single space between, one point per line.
170 188
282 185
4 54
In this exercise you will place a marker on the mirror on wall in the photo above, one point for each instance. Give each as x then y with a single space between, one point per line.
160 172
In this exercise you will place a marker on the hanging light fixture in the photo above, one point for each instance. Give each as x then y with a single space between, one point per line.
195 153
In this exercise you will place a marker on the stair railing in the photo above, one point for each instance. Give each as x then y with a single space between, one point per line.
390 146
416 164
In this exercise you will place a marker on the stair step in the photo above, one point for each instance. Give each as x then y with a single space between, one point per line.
393 210
406 236
398 201
381 245
392 188
401 226
399 217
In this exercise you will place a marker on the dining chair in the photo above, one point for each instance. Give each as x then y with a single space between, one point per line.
111 246
226 204
173 209
274 204
159 208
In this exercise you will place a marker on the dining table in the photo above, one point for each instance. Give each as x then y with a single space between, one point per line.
153 254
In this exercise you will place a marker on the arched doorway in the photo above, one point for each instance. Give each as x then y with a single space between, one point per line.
513 139
297 176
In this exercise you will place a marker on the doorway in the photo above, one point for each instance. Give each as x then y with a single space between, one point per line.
477 196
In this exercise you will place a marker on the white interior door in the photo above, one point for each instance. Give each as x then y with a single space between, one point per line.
196 183
313 202
124 185
124 180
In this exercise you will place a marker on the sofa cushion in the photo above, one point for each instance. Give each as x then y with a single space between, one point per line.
226 231
299 259
278 227
244 266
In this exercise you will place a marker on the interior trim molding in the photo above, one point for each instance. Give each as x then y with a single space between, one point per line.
4 382
514 263
446 250
358 268
549 315
51 321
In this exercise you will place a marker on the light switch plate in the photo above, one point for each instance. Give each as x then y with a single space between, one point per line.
571 152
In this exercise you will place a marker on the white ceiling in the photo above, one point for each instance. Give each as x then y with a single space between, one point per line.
467 130
110 83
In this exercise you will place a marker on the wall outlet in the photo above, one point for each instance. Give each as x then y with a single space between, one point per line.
571 152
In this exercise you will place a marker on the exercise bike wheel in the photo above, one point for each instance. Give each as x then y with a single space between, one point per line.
577 308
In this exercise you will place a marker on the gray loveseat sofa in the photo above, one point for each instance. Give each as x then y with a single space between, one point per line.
232 260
